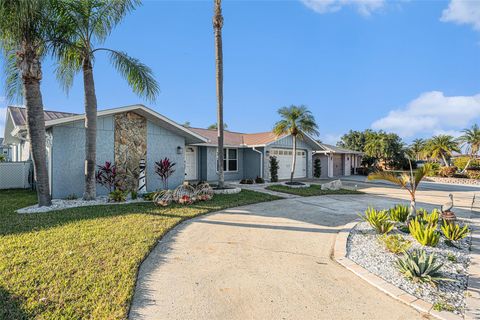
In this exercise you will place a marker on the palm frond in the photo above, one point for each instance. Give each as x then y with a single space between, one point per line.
400 180
13 80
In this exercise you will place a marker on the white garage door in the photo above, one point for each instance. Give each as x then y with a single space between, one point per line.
284 157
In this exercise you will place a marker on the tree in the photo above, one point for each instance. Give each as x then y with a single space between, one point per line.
354 140
24 27
186 124
86 24
442 146
417 148
471 141
296 121
214 126
217 28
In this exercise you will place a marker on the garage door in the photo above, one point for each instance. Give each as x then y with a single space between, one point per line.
284 157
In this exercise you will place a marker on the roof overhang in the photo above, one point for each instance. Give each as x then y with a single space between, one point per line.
190 136
307 138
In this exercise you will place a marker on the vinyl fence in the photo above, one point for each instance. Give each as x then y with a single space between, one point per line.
15 175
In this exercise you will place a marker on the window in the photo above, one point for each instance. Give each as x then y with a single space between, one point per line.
230 159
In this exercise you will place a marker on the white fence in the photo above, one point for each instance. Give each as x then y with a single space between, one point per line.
14 175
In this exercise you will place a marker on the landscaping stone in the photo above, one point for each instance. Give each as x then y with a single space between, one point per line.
227 191
333 185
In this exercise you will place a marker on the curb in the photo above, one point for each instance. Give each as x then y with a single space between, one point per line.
340 255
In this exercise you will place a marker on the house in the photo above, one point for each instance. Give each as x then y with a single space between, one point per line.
337 161
5 150
128 134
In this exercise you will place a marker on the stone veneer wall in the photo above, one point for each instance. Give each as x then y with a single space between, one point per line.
130 145
453 180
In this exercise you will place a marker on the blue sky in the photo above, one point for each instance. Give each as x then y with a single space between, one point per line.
410 67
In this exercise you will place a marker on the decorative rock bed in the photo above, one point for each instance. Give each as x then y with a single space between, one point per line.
452 180
227 190
60 204
296 186
364 248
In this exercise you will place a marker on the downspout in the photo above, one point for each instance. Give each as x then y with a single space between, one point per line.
261 161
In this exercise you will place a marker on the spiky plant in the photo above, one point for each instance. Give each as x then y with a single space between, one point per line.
418 266
378 219
424 233
453 231
399 213
432 218
395 243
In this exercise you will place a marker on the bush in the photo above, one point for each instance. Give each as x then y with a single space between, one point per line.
246 181
317 168
117 196
273 169
395 243
472 174
435 167
447 171
378 220
149 196
164 169
71 196
425 234
428 218
399 213
259 180
453 231
134 194
461 162
420 267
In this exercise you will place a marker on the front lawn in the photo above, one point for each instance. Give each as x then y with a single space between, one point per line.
82 263
313 190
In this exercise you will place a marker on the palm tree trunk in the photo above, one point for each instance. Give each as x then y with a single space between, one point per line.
31 69
294 159
90 130
217 27
445 160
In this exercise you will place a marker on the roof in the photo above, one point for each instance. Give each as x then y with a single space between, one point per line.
19 115
335 149
229 138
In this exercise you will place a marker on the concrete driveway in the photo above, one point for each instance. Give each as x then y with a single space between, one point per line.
264 261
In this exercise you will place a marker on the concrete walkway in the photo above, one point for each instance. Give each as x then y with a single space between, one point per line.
264 261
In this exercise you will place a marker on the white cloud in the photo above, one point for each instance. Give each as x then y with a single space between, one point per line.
431 113
364 7
463 12
330 138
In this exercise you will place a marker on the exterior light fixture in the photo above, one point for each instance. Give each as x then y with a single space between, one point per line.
179 150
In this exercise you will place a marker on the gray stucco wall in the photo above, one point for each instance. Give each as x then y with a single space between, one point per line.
251 164
208 165
68 155
162 143
323 163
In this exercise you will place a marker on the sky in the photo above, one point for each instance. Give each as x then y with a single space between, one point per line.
409 67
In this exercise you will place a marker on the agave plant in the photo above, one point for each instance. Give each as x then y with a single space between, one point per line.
399 213
453 231
379 220
426 234
432 218
419 266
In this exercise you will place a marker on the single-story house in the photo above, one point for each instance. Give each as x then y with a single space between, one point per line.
5 150
337 161
128 134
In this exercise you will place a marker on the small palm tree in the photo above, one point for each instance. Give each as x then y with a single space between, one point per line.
471 141
442 146
296 121
417 148
409 182
85 24
23 41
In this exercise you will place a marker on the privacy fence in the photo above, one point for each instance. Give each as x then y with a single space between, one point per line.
15 175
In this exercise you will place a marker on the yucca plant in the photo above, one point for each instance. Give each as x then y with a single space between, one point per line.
395 243
379 220
432 218
453 231
424 233
418 266
399 213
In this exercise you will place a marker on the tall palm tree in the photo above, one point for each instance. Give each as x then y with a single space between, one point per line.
417 148
471 141
442 146
87 23
23 37
217 28
296 121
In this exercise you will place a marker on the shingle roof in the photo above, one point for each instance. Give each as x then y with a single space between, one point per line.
336 149
19 115
238 138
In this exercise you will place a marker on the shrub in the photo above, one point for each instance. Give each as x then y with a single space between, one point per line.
443 306
432 218
246 181
71 196
106 176
317 168
259 180
2 158
164 169
378 220
149 196
117 196
434 168
134 194
472 174
453 231
461 162
399 213
420 267
395 243
447 171
273 169
424 233
451 257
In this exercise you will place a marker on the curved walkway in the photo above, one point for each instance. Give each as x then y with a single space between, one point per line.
264 261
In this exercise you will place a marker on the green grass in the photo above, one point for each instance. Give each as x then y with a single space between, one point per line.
82 263
313 190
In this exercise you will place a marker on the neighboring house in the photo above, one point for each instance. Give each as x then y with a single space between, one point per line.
5 150
336 161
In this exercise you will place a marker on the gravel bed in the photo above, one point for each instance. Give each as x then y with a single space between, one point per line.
365 248
60 204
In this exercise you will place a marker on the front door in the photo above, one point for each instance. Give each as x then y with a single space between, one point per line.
191 163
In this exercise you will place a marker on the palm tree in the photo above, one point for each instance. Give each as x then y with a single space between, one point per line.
406 181
88 23
217 28
471 141
23 38
296 121
442 146
417 148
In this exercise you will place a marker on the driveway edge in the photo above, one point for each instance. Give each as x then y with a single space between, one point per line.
340 255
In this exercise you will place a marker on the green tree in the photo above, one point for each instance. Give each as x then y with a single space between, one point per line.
24 29
296 121
214 126
86 25
355 140
442 146
417 148
470 140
